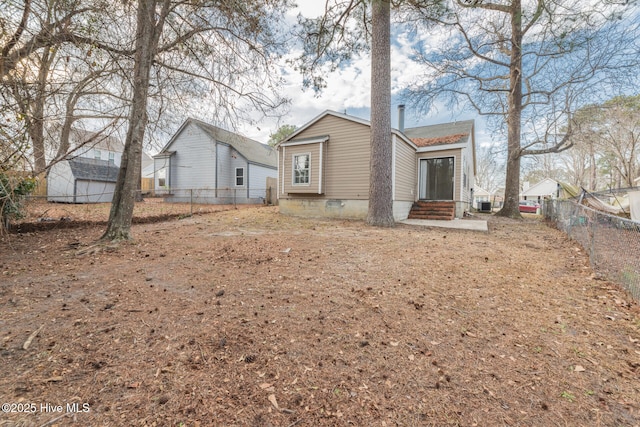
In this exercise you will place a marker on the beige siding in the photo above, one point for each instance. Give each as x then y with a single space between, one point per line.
346 159
457 163
287 167
405 171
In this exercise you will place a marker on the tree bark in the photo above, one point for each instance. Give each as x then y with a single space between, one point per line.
380 182
147 36
512 182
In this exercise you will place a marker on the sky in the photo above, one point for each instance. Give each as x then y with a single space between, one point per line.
348 91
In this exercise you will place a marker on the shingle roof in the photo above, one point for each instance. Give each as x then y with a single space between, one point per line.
445 133
93 170
253 151
101 141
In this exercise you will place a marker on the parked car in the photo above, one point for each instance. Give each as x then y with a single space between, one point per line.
529 206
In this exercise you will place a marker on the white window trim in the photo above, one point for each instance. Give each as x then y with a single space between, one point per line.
293 170
236 177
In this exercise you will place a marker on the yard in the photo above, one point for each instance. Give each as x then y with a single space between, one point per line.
245 317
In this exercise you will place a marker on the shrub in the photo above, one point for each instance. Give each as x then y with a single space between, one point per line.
13 189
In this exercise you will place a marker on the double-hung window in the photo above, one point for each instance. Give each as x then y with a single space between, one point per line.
301 169
239 177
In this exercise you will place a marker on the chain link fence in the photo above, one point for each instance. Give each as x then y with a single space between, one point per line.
613 243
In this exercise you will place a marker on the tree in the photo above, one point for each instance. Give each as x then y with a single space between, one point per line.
239 73
380 212
281 134
347 29
609 134
528 67
490 169
148 31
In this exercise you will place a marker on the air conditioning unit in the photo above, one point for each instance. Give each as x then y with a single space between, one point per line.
484 206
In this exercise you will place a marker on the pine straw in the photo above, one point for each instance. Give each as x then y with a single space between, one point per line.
209 320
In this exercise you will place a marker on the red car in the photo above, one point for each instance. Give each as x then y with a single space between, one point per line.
529 206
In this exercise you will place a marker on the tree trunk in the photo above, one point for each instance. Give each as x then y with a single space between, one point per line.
380 182
147 35
514 117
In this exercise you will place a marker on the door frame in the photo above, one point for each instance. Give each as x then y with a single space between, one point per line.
422 176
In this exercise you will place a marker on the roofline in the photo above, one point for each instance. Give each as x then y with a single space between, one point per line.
320 116
441 147
312 140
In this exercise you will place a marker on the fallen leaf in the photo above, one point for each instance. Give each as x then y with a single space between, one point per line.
274 402
579 368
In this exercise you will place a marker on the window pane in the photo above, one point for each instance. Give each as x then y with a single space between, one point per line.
301 169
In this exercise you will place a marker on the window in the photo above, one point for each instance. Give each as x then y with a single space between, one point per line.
162 177
97 154
301 168
436 178
112 157
239 177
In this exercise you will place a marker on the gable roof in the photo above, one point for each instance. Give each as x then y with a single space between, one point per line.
253 151
344 117
440 134
93 170
101 141
545 187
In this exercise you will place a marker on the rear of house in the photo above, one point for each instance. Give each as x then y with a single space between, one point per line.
323 170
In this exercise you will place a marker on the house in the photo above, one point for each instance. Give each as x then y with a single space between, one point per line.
206 164
323 168
546 189
480 195
90 171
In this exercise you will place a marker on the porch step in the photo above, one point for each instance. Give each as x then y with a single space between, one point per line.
437 210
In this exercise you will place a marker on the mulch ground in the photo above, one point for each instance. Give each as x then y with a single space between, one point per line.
245 317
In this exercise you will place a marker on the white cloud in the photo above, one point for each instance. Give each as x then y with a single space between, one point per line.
348 88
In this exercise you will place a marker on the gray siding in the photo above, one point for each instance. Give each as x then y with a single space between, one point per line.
258 180
193 164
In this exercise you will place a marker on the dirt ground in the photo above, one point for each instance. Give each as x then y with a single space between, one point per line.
250 318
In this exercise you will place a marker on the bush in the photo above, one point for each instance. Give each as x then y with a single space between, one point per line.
13 189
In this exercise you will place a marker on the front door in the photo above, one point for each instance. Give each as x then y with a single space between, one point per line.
436 178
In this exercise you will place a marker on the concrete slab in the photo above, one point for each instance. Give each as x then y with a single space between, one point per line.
459 224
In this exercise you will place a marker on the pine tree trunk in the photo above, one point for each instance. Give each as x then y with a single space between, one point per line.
514 151
380 185
147 35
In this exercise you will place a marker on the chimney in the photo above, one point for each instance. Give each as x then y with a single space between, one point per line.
401 117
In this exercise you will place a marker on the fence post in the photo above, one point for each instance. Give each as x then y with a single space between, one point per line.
191 201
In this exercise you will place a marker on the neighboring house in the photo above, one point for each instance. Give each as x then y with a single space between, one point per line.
323 167
207 164
89 173
480 195
546 189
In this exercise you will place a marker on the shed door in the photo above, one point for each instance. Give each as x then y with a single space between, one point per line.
436 178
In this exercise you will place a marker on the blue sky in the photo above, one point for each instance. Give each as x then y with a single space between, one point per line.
348 90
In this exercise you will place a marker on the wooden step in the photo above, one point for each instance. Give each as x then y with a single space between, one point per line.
436 210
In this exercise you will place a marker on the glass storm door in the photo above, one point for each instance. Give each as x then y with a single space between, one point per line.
436 179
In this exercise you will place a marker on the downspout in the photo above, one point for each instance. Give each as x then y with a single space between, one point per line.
216 174
283 160
320 165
